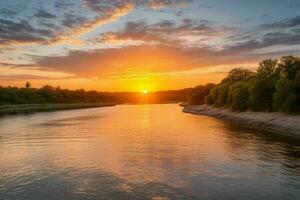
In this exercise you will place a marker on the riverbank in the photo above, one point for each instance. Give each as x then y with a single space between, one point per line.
274 122
31 108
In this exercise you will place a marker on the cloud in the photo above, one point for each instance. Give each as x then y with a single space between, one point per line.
12 72
289 23
44 14
103 5
140 59
21 32
7 11
170 45
276 34
158 4
72 25
67 27
134 46
187 33
80 25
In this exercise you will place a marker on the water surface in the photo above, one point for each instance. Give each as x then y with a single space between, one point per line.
143 152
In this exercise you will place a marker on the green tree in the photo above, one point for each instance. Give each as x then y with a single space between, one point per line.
239 74
238 96
287 96
197 95
261 94
218 95
268 69
289 67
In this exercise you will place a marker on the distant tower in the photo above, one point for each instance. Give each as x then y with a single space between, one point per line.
28 85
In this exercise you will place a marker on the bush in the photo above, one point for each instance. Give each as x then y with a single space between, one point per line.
275 87
289 66
261 95
238 96
218 95
287 96
197 95
239 74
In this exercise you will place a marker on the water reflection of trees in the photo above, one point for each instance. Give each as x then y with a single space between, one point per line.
265 146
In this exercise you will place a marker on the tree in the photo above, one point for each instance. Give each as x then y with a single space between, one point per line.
218 95
289 67
238 96
287 96
28 85
261 94
239 74
268 69
197 95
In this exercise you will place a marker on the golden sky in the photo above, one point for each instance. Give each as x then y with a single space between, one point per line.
130 45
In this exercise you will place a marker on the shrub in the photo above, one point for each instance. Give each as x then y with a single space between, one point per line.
238 96
261 95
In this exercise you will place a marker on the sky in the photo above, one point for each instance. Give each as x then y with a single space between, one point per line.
136 45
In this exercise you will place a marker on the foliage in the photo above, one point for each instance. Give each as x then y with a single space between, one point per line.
268 69
289 66
239 74
49 94
238 96
196 96
287 96
261 94
274 87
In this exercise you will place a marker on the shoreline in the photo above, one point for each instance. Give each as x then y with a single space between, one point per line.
33 108
273 121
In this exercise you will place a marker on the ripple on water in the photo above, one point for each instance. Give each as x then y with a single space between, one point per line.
143 152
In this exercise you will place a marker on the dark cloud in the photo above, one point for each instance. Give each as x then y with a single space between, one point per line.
71 20
166 31
104 5
67 24
290 23
267 40
44 14
21 32
62 4
12 65
7 11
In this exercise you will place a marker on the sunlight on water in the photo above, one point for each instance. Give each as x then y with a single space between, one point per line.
142 152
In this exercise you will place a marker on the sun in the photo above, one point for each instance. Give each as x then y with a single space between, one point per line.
145 91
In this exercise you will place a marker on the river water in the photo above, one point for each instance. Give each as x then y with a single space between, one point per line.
143 152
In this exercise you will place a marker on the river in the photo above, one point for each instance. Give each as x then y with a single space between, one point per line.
153 152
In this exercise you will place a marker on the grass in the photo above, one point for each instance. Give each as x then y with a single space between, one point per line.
31 108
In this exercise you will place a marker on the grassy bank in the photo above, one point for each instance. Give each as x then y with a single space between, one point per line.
31 108
270 121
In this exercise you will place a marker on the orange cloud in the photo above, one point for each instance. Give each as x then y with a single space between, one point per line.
159 4
108 17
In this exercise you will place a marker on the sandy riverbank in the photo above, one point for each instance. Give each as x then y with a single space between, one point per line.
31 108
275 122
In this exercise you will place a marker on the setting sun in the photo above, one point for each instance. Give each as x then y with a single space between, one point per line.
145 91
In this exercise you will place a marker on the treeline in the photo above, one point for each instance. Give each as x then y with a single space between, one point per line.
49 94
275 86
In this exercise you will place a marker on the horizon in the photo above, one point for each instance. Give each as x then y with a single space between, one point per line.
137 46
